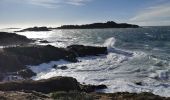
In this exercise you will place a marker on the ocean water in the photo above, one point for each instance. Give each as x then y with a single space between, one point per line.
135 55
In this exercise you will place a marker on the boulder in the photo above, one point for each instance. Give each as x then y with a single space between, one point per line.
44 41
63 67
81 50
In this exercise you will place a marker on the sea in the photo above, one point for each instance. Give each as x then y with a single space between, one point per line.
138 59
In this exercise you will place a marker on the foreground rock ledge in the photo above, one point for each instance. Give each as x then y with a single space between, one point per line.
62 88
49 85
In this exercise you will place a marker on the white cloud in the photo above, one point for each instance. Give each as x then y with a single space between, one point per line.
156 15
56 3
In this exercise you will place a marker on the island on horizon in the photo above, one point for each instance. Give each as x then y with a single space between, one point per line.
108 24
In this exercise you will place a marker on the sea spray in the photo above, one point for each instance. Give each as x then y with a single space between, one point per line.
109 43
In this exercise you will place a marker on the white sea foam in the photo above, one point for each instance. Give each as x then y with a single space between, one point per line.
118 72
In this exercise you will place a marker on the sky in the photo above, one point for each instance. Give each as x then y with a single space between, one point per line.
26 13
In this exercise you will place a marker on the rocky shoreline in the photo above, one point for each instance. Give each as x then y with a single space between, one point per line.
15 56
14 59
64 88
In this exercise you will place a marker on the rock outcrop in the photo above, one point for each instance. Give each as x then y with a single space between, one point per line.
13 39
14 59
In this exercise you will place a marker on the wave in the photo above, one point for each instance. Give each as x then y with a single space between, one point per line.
110 42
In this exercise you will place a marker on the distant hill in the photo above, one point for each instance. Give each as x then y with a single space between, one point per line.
109 24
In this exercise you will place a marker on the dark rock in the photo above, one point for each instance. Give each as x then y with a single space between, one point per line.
92 88
44 41
13 39
81 50
35 29
63 67
138 83
44 86
101 87
109 24
60 67
14 59
34 55
10 63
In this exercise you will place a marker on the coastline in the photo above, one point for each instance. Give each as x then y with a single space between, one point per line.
55 89
109 95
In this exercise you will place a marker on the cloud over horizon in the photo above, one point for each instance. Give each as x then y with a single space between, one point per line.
154 15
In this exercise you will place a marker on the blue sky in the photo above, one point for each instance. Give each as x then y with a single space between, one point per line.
26 13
